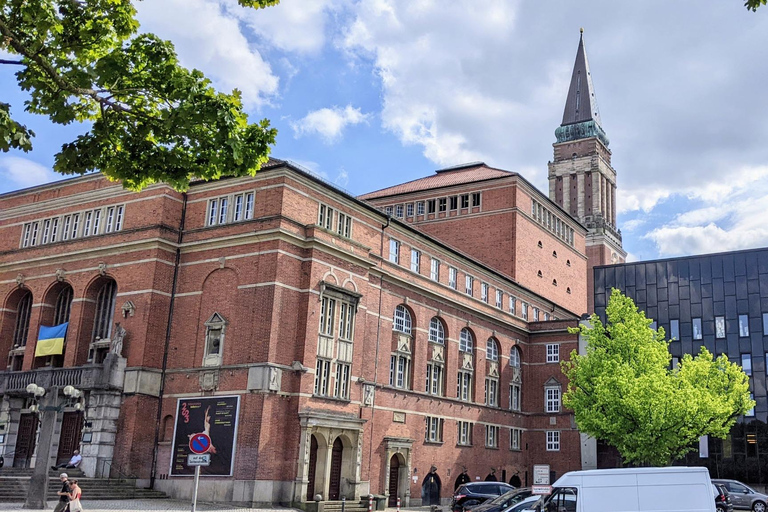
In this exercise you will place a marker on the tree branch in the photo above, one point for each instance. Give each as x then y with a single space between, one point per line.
13 62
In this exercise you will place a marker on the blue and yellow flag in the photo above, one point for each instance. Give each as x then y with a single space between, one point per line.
50 341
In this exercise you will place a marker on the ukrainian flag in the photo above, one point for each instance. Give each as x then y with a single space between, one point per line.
50 341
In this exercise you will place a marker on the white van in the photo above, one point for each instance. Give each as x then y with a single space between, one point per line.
678 489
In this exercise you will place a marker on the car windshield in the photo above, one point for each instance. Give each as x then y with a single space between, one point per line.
502 498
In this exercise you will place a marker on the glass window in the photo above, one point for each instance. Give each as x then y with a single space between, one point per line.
514 438
346 321
442 204
436 331
746 363
249 205
466 341
343 371
512 303
674 329
514 357
452 277
454 202
394 251
213 207
420 208
105 308
535 314
434 430
465 433
491 436
553 352
409 210
484 292
552 400
464 386
415 260
765 324
23 314
434 384
751 412
476 199
514 397
322 377
719 327
553 441
469 283
697 328
465 201
743 326
499 299
491 392
327 316
223 209
399 211
434 270
388 210
524 308
492 350
237 215
402 320
431 206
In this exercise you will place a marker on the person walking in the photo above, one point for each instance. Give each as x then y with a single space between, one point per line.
74 497
61 506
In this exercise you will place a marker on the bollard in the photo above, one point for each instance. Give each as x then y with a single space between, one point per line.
343 503
398 504
370 503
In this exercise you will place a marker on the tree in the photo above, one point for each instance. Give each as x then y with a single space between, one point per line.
754 4
151 120
624 391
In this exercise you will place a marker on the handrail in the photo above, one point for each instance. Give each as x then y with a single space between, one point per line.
112 466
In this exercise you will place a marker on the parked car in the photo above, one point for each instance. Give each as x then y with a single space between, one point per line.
503 502
742 496
526 505
723 500
475 493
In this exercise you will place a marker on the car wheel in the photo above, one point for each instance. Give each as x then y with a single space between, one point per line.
758 506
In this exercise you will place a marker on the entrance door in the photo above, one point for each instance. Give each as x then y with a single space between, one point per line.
430 489
25 441
312 469
69 440
394 477
334 489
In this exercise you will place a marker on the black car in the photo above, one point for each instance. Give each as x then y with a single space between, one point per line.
474 493
723 500
503 502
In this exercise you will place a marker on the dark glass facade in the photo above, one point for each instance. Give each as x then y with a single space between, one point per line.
719 301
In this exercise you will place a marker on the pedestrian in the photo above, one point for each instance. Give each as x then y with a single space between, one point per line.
74 461
74 496
61 506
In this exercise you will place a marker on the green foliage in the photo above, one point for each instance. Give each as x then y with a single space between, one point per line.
624 392
151 120
754 4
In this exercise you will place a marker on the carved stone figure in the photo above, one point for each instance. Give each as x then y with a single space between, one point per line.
116 347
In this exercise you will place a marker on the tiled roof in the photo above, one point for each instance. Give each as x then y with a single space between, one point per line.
468 173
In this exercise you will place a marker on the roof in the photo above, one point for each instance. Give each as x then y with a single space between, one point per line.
466 173
581 104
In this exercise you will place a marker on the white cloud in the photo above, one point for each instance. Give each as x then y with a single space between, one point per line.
632 225
342 179
22 172
209 38
329 123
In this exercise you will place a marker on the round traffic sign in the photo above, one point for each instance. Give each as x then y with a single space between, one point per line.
199 443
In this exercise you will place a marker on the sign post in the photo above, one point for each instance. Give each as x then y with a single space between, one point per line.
541 484
198 445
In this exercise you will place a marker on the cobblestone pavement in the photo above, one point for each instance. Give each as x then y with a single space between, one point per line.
150 505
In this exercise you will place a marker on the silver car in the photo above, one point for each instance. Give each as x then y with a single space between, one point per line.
743 496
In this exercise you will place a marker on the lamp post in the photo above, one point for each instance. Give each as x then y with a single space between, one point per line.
45 403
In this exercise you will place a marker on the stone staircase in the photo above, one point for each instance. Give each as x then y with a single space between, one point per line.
349 506
15 482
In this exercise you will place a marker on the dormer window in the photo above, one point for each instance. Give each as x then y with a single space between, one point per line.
214 340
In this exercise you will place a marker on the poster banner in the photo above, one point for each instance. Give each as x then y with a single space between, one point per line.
214 415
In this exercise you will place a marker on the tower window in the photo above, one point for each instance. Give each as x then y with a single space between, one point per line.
539 274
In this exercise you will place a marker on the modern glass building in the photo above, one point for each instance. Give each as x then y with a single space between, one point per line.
719 301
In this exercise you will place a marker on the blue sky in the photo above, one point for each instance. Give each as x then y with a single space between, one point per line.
370 93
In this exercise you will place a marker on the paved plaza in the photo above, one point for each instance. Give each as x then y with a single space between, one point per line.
150 505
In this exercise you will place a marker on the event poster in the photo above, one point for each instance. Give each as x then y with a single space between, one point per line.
214 415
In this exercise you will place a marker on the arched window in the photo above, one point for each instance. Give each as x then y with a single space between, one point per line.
466 342
514 357
105 308
402 320
23 312
539 274
63 306
436 331
492 350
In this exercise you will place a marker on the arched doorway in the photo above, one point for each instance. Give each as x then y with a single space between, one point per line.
394 480
312 469
334 487
515 481
430 489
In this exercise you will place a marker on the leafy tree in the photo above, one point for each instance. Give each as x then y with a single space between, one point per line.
623 390
151 120
754 4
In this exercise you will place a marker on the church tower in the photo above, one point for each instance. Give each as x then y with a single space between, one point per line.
581 179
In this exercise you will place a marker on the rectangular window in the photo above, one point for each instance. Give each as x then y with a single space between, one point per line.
27 235
442 204
75 224
524 310
223 210
65 228
346 321
535 314
743 326
409 210
514 397
54 229
119 219
388 210
674 329
394 251
553 352
431 206
96 221
415 260
484 292
341 389
213 207
325 217
249 205
546 317
499 299
491 392
87 224
697 328
327 312
454 202
238 213
746 363
476 199
465 201
434 430
553 441
420 208
322 376
434 270
452 277
491 436
46 231
399 211
464 386
469 284
720 327
434 384
553 400
512 303
765 324
110 219
751 412
344 225
399 371
464 437
514 438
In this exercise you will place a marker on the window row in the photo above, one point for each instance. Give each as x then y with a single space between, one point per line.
97 221
333 372
469 284
431 206
230 208
433 433
552 222
334 220
720 327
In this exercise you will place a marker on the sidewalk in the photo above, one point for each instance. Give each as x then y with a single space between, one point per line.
150 505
